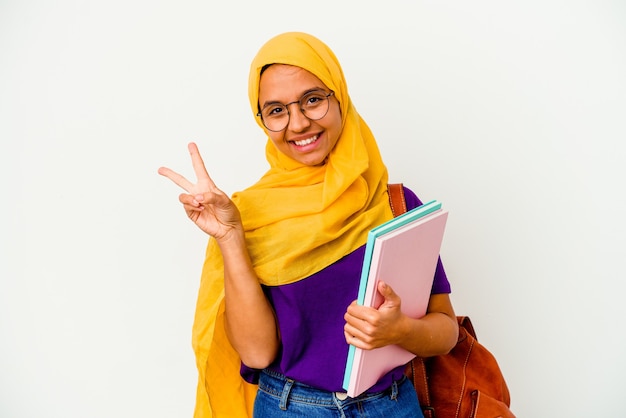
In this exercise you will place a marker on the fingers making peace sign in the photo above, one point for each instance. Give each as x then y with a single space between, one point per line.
205 204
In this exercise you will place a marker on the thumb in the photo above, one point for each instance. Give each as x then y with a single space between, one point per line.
390 297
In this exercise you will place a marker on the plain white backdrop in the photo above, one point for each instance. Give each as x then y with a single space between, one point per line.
510 113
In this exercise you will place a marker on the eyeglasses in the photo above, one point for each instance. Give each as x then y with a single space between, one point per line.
314 105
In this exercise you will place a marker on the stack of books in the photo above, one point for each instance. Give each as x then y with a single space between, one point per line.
403 253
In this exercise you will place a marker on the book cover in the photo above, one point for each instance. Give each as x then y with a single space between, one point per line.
402 252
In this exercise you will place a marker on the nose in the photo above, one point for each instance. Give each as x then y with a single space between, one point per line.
297 120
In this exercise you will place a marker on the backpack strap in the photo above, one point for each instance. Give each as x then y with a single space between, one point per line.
396 198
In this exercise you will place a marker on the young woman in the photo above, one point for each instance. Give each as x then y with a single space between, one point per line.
276 310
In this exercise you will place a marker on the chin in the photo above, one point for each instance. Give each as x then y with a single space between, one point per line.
314 161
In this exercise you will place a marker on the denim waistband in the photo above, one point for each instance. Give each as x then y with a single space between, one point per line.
288 390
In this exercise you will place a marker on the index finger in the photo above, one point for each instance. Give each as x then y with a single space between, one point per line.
198 164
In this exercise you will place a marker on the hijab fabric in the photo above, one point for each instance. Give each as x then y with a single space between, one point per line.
297 220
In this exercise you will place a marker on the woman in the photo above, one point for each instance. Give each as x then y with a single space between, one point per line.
276 311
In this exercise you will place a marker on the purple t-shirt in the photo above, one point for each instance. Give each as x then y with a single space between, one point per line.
310 317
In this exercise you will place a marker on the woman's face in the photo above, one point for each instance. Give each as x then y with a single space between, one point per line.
304 140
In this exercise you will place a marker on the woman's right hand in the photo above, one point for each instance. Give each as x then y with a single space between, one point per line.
205 204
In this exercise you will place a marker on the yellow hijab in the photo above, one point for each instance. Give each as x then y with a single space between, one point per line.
297 219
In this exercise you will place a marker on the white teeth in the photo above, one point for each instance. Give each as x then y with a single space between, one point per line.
306 141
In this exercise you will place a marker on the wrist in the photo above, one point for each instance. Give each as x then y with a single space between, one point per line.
234 237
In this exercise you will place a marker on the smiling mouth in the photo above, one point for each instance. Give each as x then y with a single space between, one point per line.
307 141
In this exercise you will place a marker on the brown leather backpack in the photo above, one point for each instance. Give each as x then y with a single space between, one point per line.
465 383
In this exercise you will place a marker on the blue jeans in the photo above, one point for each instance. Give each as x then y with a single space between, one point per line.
279 396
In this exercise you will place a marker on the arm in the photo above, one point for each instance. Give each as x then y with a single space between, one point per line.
250 322
435 333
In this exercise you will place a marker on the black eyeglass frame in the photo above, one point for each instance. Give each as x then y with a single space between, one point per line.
286 106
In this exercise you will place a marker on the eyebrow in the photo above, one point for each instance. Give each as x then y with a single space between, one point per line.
274 102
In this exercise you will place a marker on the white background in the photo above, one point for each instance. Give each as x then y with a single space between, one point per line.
510 113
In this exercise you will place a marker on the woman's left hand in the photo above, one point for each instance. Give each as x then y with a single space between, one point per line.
370 328
433 334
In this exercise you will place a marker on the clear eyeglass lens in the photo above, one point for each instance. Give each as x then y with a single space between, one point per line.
314 105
